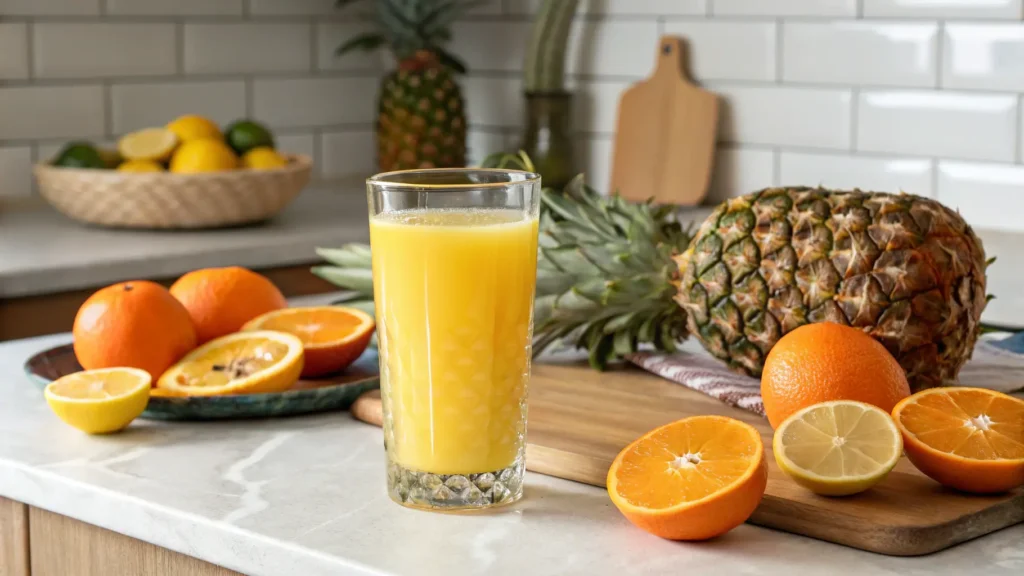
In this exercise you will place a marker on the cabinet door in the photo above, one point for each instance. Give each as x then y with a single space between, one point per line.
13 538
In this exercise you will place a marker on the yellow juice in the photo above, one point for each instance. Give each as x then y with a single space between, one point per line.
454 298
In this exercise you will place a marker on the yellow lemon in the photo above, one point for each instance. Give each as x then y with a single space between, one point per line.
154 144
239 363
140 166
263 158
203 155
191 127
99 401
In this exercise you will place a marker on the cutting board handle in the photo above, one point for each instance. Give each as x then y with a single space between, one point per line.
670 61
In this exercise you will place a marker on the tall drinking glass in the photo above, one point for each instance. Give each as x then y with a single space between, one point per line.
454 269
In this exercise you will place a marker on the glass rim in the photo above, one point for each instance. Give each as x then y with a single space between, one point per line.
387 179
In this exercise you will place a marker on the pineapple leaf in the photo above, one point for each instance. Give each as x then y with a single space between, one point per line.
345 256
365 42
358 279
623 343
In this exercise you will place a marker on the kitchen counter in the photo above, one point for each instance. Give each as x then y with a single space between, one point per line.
306 496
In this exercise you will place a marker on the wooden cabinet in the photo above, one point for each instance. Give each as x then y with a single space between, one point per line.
14 546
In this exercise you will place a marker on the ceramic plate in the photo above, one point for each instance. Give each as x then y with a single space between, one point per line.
307 396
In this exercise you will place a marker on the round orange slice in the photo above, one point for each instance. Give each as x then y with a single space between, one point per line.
332 336
239 363
692 479
970 439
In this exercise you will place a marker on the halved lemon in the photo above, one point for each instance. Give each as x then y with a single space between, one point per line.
838 448
239 363
332 336
692 479
154 144
99 401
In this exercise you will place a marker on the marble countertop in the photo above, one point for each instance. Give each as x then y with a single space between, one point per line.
306 496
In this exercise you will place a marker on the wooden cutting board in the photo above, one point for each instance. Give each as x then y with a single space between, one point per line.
580 419
665 136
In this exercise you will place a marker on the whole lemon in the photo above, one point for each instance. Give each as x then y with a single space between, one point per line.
140 166
263 158
191 127
203 156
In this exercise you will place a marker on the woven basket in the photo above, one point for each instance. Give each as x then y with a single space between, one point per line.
163 200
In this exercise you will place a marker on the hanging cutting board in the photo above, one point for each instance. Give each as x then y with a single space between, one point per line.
665 135
579 419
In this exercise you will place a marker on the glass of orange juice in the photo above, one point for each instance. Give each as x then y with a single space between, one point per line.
454 269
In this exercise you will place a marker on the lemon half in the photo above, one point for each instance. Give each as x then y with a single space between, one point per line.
99 401
154 144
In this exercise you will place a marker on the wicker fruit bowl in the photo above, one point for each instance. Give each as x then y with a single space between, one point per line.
166 200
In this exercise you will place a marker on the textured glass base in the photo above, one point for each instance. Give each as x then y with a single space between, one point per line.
455 491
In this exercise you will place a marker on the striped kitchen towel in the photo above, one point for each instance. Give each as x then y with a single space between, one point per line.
997 364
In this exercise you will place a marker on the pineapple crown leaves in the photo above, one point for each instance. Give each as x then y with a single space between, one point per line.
411 26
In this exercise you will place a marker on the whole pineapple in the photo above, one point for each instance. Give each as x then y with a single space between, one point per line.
421 117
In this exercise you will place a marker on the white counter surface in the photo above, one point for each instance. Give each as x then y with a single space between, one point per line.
305 496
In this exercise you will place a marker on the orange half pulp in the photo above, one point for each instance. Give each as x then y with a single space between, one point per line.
332 336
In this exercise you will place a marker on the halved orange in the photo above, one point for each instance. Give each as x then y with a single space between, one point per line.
332 336
970 439
692 479
239 363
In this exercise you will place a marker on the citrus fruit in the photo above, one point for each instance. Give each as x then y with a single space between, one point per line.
140 166
79 155
692 479
204 155
246 135
191 127
111 157
221 300
825 361
263 158
838 448
154 144
240 363
137 324
332 337
99 401
970 439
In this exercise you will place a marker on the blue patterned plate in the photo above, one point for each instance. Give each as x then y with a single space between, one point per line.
333 393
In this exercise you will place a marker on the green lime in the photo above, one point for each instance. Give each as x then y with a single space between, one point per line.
79 155
245 135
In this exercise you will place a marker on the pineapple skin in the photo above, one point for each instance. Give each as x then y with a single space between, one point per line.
905 269
421 120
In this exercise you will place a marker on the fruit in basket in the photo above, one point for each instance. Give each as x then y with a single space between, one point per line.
191 127
221 300
110 156
203 155
155 144
971 439
263 158
242 363
137 324
333 337
826 361
79 155
99 401
246 135
421 120
140 166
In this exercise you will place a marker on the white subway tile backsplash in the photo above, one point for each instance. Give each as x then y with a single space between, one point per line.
296 144
294 7
727 50
784 7
136 106
613 47
13 51
49 7
330 35
987 195
594 157
945 124
32 112
985 56
309 102
493 101
1010 9
247 47
739 171
481 143
15 171
876 174
348 153
621 7
175 8
861 52
486 8
496 46
90 49
813 117
596 105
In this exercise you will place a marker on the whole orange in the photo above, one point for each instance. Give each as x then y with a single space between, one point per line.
826 361
135 324
222 300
